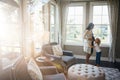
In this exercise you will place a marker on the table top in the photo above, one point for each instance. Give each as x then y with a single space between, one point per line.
43 59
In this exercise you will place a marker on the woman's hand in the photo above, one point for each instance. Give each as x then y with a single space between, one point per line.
90 39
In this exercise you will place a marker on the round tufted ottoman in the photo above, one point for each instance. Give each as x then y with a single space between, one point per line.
85 72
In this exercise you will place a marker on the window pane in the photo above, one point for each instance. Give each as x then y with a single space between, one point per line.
52 19
97 19
52 33
74 24
71 11
79 11
71 20
97 10
105 20
52 9
105 10
101 21
74 32
78 19
102 31
10 29
52 23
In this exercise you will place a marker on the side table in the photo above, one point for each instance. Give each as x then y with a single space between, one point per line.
44 61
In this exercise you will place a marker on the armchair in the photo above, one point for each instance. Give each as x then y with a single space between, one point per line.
44 72
66 59
51 73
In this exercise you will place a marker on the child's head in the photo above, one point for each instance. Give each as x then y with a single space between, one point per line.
97 40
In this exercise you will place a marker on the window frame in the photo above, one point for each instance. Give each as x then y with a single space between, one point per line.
88 10
53 3
84 21
18 49
91 16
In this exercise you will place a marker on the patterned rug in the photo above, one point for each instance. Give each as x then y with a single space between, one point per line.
111 73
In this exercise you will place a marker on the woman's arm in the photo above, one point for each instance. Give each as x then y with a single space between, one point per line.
85 35
91 46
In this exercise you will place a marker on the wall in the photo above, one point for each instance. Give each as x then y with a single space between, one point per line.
78 50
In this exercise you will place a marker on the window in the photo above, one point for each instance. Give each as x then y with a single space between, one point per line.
75 23
10 29
52 23
10 33
101 20
79 16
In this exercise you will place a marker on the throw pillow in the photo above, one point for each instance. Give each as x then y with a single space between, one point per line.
57 50
34 70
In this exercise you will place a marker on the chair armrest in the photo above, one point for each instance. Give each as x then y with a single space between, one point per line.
67 53
48 70
53 56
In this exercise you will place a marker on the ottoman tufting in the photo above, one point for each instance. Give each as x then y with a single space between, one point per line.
85 72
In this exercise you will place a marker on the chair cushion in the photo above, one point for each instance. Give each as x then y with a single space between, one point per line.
57 50
68 59
34 70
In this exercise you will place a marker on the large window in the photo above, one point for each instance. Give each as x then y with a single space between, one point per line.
101 20
10 33
78 19
75 23
10 29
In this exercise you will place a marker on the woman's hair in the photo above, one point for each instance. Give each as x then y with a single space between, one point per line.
90 26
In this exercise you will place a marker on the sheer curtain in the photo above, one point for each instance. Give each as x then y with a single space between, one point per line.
58 20
64 12
113 8
34 26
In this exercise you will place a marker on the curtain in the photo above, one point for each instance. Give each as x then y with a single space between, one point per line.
35 22
113 8
64 12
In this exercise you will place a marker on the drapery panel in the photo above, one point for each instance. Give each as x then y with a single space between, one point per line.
113 8
64 12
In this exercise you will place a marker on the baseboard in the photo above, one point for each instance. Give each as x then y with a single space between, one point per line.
118 60
93 58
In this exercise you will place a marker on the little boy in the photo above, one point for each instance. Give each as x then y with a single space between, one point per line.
98 50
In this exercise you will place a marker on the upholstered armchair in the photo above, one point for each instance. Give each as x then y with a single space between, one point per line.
64 57
24 69
44 72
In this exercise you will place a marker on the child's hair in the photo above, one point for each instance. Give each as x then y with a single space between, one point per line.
98 41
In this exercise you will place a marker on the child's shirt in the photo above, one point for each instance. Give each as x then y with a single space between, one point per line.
97 47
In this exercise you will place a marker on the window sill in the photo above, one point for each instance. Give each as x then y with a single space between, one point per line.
81 44
74 44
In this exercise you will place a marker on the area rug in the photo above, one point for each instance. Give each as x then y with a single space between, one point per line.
111 73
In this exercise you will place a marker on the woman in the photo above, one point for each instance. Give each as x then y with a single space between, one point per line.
88 40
